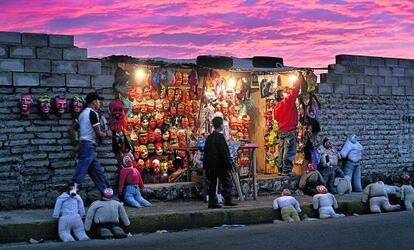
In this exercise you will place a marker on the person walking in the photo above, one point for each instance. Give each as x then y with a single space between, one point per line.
217 162
90 129
286 114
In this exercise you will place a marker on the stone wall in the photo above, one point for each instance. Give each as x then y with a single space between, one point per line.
374 98
35 152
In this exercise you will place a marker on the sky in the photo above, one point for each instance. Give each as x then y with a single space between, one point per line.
305 33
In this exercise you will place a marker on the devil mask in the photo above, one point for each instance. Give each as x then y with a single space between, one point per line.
25 104
60 104
117 116
77 104
44 105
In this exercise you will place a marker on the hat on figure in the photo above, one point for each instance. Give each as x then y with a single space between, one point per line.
286 192
108 193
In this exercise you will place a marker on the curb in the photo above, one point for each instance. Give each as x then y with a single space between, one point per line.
47 230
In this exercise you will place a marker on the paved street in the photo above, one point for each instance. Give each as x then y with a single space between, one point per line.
380 231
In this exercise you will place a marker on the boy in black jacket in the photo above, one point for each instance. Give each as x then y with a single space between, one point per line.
218 165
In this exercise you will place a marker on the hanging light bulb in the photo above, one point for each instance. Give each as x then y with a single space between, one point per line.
293 77
140 74
231 83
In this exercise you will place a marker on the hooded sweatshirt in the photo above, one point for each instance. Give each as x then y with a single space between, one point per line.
352 151
285 112
68 205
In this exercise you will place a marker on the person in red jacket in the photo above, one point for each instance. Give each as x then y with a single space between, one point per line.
286 114
131 178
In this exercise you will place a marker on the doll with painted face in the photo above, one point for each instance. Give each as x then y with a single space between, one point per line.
352 153
26 102
60 104
377 198
78 103
325 203
310 180
117 116
407 192
329 162
69 211
130 178
288 205
45 105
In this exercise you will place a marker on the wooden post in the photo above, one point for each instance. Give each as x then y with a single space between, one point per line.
254 175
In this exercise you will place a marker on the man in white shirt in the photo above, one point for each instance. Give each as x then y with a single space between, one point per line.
89 125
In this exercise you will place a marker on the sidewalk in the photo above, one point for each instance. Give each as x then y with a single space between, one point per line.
21 225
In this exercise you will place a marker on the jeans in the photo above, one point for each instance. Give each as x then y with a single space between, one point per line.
134 198
353 170
329 177
226 182
89 164
287 150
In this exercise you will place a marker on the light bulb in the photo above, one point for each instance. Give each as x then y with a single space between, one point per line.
231 83
140 74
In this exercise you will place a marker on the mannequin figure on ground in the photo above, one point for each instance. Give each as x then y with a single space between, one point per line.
69 211
288 205
325 203
352 153
310 180
377 198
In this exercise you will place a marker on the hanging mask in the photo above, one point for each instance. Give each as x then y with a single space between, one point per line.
144 122
141 165
78 103
173 110
135 106
143 137
156 166
158 105
150 106
154 95
166 104
44 102
151 148
143 152
171 94
191 122
167 119
132 92
178 95
180 109
151 136
173 133
166 135
185 95
185 79
158 148
147 92
152 124
178 78
188 109
157 135
136 152
26 102
117 116
184 122
60 104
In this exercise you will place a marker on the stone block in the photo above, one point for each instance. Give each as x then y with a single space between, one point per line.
103 81
405 81
378 80
75 54
89 68
34 39
398 90
25 79
371 90
384 91
43 141
37 65
49 53
15 65
4 51
405 63
409 91
356 90
62 41
377 61
409 73
78 80
49 135
356 69
6 79
363 60
338 69
348 79
10 37
325 88
52 80
397 71
369 70
22 52
382 71
391 81
341 89
391 62
68 67
345 59
49 148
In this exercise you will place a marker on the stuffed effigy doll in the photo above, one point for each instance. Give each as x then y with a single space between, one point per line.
342 185
377 197
106 214
288 205
310 180
69 210
407 192
329 163
130 178
352 153
325 203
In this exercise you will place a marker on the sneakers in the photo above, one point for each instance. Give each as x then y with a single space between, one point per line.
214 206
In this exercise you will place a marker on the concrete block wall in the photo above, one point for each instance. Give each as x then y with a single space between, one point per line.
35 152
374 98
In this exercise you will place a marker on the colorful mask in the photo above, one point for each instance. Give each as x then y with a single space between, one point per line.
191 122
147 92
166 135
44 105
171 94
178 78
150 106
136 151
158 105
152 124
143 151
180 109
127 160
184 122
158 135
166 147
186 95
151 136
173 110
166 104
188 110
158 148
156 166
60 104
135 106
178 94
151 148
143 137
144 122
117 116
78 103
167 118
141 165
26 102
173 133
185 79
154 95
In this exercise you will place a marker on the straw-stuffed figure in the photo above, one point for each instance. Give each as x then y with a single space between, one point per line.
407 192
288 205
377 198
325 203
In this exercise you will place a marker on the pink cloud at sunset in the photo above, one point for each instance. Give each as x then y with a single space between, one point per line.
304 33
